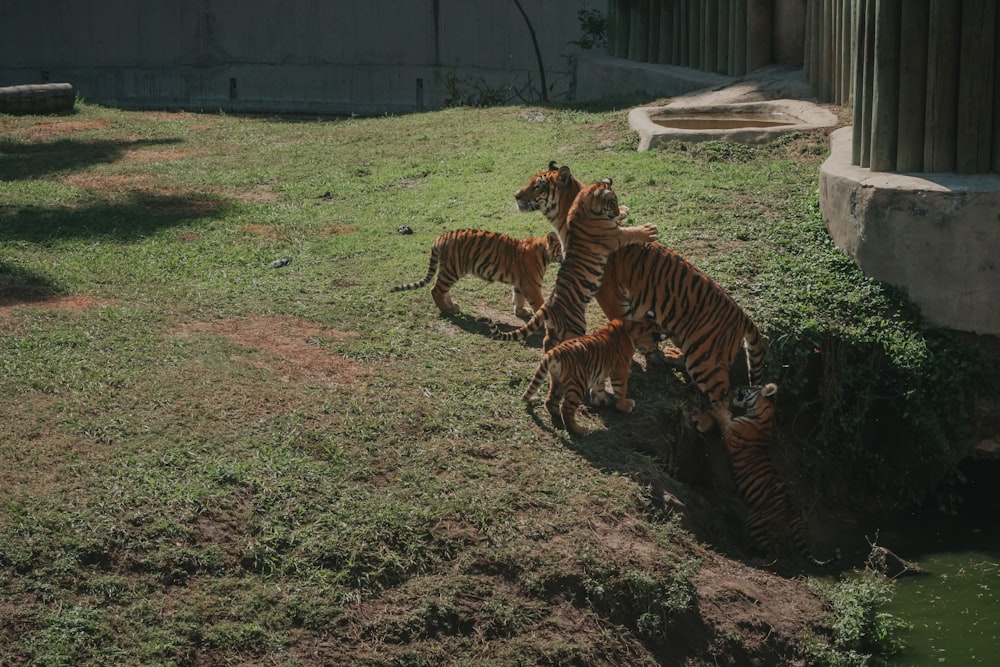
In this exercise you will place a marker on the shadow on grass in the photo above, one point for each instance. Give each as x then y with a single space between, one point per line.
22 161
19 285
481 327
137 216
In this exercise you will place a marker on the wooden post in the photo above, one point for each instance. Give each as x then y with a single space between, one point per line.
885 98
760 22
868 87
740 40
665 55
710 35
845 52
693 33
975 87
638 34
722 30
653 19
941 119
912 85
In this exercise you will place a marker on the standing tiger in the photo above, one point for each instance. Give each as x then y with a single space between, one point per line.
593 234
575 365
651 281
747 439
552 193
494 258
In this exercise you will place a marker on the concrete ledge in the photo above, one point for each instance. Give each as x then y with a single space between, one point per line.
935 235
600 76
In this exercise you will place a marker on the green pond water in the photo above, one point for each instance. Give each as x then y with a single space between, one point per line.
954 610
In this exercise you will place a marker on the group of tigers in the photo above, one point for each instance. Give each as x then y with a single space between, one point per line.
649 293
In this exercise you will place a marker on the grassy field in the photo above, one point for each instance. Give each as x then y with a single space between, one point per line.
207 460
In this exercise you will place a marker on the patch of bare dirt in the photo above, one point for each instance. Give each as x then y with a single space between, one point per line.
56 128
291 347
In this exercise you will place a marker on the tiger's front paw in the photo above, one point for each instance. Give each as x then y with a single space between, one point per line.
600 398
651 231
703 422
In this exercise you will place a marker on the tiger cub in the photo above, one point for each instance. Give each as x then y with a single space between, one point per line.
577 364
747 439
711 331
594 232
494 258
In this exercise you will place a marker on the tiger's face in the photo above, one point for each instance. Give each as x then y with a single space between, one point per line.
599 201
645 336
754 400
542 191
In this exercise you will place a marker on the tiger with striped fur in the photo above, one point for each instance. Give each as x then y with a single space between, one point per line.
594 232
575 365
493 257
747 439
552 193
710 330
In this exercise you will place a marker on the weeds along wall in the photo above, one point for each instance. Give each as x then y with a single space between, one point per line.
295 56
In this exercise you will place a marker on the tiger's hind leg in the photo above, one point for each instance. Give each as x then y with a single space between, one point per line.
441 293
570 406
619 385
519 300
553 400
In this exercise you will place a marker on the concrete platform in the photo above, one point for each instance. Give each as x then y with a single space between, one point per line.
935 235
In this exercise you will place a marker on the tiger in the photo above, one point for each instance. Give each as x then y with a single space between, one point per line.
552 193
575 365
747 439
593 234
709 329
493 257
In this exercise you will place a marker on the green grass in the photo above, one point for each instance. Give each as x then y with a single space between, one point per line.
206 460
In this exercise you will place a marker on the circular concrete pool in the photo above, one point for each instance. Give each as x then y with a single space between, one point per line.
749 123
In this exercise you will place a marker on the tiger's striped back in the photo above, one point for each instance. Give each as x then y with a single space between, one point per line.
494 258
747 439
594 233
651 281
577 364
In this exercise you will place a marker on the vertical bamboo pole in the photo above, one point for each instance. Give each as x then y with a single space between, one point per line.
941 116
826 51
996 102
975 87
837 33
807 45
860 62
912 85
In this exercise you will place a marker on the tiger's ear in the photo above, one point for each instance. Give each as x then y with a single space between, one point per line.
770 389
553 166
607 181
564 177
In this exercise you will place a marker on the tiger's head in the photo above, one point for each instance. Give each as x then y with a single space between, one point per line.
645 336
756 402
597 201
551 191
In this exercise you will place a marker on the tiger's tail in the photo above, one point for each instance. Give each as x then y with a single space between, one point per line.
426 279
530 394
754 346
536 322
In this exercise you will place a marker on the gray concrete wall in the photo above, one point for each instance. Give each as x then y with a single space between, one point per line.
313 56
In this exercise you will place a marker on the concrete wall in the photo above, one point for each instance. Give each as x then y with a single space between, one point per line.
289 55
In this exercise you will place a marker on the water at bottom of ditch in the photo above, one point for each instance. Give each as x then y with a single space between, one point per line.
954 610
